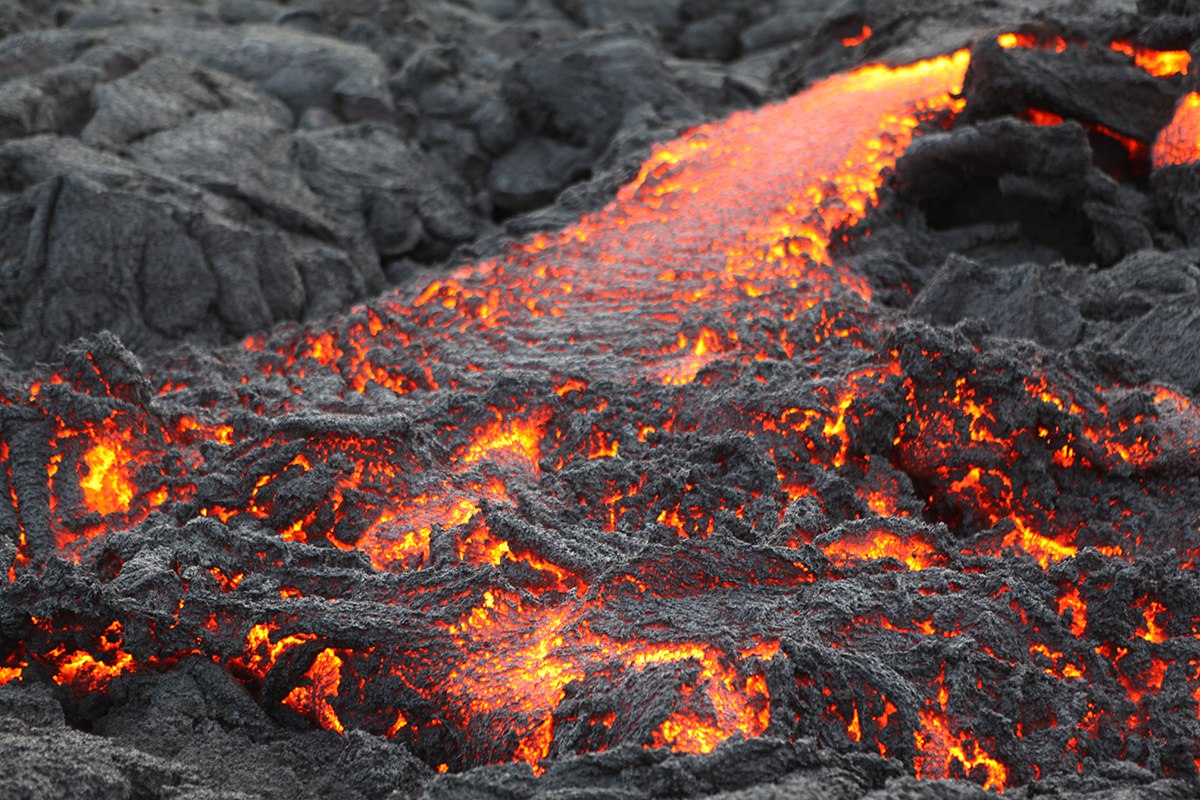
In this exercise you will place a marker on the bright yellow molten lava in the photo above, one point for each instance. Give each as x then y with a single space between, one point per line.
107 487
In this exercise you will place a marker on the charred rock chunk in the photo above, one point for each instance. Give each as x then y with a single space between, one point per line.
1025 301
302 70
165 92
387 189
579 93
1176 189
55 100
1005 179
1088 84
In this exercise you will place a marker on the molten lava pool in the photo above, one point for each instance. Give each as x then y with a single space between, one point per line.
663 478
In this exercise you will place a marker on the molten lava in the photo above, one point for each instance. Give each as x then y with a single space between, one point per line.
1179 142
653 479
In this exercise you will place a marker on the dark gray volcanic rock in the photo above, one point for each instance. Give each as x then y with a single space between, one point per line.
1025 301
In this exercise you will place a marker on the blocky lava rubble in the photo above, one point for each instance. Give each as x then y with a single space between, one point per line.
845 447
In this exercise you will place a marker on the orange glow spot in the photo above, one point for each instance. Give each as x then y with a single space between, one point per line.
400 724
939 748
570 385
480 547
399 537
684 370
13 666
1164 396
536 746
601 446
1044 118
85 672
323 348
765 650
509 440
522 657
1152 610
685 732
1064 456
1059 670
107 487
1179 141
914 552
1029 41
1159 63
1070 600
228 582
323 679
855 727
1011 40
1043 548
855 41
260 654
883 502
672 519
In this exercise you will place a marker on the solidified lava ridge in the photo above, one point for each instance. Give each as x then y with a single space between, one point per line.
665 477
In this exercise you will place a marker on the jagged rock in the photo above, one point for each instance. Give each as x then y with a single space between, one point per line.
1166 339
54 100
1138 284
1040 181
785 27
661 16
156 270
1092 85
302 70
389 187
249 158
534 172
713 38
1176 189
579 91
1024 301
22 55
54 761
164 93
201 185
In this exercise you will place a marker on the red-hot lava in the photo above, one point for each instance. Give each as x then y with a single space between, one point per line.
665 477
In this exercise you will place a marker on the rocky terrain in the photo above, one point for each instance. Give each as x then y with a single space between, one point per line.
187 174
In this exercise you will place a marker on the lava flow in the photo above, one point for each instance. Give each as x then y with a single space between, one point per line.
663 478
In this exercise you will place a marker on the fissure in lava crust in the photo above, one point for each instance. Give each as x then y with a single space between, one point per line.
664 478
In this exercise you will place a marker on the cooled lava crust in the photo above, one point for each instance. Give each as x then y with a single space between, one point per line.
670 480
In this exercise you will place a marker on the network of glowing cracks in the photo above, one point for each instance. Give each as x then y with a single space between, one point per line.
718 256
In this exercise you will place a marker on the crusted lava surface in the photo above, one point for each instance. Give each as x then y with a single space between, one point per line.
688 496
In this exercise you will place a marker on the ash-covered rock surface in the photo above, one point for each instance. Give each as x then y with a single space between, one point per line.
185 175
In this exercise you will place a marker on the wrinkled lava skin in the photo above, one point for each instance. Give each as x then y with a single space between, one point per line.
665 477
